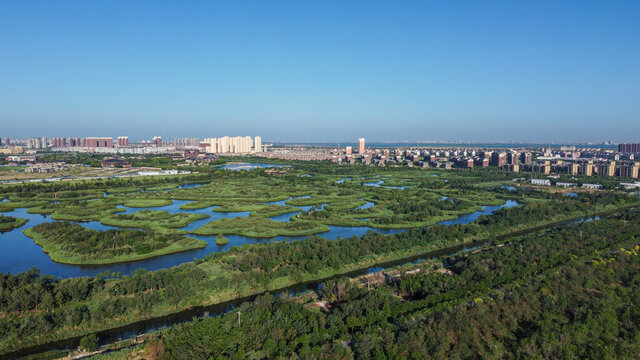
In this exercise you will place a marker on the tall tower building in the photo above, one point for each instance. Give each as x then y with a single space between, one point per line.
248 144
361 147
212 145
223 145
258 144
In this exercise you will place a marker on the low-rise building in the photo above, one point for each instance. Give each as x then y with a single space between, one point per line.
115 162
592 186
542 182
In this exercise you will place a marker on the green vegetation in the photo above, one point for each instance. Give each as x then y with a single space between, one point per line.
266 210
152 220
259 227
238 207
78 210
561 294
74 244
9 222
7 206
275 210
89 343
221 240
144 203
38 308
219 277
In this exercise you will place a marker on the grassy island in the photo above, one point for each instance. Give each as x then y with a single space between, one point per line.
143 203
70 243
152 220
197 205
77 210
12 205
221 240
259 227
9 222
275 210
266 210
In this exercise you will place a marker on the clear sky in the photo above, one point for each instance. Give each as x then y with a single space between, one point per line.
547 71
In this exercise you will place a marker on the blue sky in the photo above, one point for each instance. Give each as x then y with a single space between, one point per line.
547 71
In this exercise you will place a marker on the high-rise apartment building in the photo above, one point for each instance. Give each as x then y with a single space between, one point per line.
194 142
232 145
258 144
123 141
513 158
630 170
361 146
98 142
498 159
629 148
526 158
37 143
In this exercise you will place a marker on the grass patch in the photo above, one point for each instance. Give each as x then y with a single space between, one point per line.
10 223
79 211
12 205
152 219
259 227
275 210
221 240
197 205
144 203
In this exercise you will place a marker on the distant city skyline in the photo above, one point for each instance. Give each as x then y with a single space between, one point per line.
150 139
531 72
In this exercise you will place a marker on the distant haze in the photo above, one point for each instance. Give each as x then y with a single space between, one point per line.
538 72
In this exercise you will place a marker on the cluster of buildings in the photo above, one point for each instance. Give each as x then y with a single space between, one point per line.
47 167
233 145
115 162
629 148
299 153
37 143
241 145
587 162
186 142
564 160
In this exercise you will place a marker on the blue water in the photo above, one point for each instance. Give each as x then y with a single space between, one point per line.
510 188
18 253
379 184
250 166
486 210
367 205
